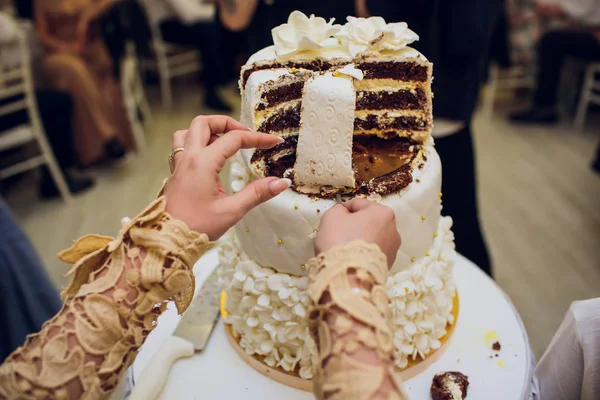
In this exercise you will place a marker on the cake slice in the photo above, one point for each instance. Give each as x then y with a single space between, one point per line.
394 99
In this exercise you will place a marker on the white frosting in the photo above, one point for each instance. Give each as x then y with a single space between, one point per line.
267 309
352 71
302 33
362 34
421 299
253 90
324 151
331 50
292 218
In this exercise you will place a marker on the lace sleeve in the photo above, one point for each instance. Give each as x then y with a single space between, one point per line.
119 288
349 321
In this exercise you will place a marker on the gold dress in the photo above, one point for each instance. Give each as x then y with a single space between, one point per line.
99 112
121 285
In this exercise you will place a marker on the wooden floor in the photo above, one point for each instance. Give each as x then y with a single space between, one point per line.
540 207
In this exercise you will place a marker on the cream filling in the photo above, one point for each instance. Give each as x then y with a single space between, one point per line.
263 115
454 389
392 113
387 84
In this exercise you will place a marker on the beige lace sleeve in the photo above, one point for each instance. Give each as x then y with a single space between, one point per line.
349 321
119 288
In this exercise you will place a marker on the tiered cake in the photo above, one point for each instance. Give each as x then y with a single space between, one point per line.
353 104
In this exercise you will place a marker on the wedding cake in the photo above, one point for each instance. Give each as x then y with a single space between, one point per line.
353 105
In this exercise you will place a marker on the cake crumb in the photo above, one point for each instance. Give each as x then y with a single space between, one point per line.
496 346
449 386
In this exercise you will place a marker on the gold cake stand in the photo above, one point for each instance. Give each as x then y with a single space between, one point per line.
292 379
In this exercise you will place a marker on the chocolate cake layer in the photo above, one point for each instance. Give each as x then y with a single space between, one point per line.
382 166
414 99
314 65
398 70
383 121
446 384
289 118
278 159
281 94
281 120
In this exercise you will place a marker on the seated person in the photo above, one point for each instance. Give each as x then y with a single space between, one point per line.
78 63
570 367
555 47
28 297
190 23
55 111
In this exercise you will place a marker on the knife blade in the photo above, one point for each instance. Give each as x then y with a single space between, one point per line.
191 335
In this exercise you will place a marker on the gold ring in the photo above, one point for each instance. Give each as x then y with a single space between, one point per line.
172 158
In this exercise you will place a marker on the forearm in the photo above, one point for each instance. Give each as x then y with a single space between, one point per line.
349 322
237 14
52 43
43 32
360 8
119 288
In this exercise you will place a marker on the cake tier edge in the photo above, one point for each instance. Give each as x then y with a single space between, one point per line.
267 310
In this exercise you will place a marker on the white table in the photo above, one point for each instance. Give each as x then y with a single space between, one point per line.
485 314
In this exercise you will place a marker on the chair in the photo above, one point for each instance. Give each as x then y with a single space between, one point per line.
504 81
171 61
134 97
590 94
17 93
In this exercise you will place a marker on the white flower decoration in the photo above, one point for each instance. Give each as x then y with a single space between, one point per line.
302 33
361 34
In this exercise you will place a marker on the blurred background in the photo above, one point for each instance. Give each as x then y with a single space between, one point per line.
91 92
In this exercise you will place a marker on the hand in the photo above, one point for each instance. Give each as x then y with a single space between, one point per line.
359 219
195 194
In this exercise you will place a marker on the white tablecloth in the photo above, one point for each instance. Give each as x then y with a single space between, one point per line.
486 315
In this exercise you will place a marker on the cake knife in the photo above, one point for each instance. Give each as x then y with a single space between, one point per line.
191 335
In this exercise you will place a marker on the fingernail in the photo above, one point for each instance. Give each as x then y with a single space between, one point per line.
279 185
281 140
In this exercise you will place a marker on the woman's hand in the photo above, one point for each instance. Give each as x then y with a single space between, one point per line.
359 219
195 194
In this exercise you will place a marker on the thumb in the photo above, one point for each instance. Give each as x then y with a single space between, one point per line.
258 192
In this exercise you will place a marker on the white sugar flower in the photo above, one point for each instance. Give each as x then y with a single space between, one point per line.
362 34
302 33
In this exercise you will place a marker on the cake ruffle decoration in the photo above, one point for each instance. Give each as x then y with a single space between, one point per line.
303 33
421 306
374 34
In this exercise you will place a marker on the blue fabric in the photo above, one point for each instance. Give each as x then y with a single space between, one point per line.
27 297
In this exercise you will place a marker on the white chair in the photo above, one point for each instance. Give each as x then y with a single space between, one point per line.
590 94
504 81
135 98
16 80
170 61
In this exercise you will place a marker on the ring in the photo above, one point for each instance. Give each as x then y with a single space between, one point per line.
172 158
